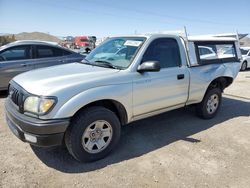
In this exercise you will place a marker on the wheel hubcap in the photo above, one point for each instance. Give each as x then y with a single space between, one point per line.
212 103
97 136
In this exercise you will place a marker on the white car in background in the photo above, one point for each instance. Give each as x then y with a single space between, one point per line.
245 51
207 53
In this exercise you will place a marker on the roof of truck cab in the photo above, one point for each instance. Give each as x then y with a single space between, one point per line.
210 38
190 38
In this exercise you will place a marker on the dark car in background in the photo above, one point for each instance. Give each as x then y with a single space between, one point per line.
22 56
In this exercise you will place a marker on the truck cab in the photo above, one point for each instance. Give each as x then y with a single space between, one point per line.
85 42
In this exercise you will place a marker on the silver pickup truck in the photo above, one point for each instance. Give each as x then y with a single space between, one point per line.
125 79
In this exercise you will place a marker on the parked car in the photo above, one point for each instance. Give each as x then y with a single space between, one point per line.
22 56
68 42
245 51
85 104
207 52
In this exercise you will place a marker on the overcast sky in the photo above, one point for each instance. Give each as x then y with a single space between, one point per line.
115 17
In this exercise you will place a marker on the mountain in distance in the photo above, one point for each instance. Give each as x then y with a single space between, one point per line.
36 36
4 34
245 42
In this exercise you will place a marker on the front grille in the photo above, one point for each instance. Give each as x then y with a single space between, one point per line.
15 96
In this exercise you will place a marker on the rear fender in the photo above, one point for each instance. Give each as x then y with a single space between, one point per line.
202 77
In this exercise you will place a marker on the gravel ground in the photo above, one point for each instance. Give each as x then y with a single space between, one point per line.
175 149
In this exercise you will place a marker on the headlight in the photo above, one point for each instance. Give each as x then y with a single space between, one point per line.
31 104
38 105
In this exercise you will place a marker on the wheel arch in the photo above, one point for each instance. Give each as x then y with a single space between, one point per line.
247 63
220 82
117 98
110 104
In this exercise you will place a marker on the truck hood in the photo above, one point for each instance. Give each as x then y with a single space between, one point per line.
47 81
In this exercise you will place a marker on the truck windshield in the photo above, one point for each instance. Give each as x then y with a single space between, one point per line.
118 52
84 40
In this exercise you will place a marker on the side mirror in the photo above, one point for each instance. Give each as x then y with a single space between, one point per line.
149 66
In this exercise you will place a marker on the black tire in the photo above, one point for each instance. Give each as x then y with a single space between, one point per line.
202 109
243 66
80 123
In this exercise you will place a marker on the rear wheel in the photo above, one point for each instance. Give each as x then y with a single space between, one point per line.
210 104
244 66
93 134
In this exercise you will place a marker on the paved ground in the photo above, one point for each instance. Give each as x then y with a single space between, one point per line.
175 149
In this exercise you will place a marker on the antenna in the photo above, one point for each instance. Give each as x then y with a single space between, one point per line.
237 36
185 31
187 46
238 40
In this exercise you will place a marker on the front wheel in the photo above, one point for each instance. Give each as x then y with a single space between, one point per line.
93 134
210 104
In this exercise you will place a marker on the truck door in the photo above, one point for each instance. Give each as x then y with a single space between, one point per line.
154 91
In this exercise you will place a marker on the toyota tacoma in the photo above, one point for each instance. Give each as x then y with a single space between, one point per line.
83 105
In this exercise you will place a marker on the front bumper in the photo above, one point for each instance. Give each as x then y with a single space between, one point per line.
33 130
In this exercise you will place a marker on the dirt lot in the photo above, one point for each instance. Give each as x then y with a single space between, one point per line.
175 149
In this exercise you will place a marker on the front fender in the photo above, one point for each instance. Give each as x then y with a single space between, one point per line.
121 93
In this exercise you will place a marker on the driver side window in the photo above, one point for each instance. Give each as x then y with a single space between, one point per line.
165 51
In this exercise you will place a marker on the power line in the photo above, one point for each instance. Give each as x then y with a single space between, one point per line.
133 18
85 11
161 15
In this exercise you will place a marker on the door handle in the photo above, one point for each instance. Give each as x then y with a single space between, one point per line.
180 76
24 65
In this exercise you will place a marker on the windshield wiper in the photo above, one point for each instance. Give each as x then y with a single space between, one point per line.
106 64
100 63
85 61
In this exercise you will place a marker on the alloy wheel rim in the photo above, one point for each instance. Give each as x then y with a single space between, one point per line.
97 136
212 103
